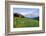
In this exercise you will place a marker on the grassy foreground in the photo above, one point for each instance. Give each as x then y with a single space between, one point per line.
25 22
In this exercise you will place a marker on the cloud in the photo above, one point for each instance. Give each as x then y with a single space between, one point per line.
27 12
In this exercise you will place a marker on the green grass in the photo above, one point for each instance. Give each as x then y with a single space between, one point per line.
25 22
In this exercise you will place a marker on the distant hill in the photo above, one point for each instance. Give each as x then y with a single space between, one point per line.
36 18
18 15
22 16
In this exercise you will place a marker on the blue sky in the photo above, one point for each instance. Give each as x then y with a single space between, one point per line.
27 12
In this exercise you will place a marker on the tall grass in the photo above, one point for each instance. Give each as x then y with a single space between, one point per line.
25 22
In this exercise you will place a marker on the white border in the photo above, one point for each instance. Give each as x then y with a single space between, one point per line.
29 28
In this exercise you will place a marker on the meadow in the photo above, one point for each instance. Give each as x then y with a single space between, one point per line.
25 22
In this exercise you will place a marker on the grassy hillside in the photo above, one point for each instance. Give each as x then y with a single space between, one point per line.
25 22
